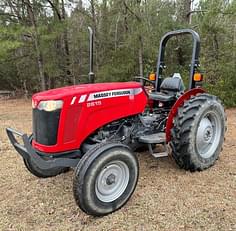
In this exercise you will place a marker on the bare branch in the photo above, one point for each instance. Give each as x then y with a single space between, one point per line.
203 11
55 8
14 9
8 14
136 16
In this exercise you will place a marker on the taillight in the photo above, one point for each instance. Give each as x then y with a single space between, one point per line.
198 77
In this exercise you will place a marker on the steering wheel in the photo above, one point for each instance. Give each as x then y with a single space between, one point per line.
145 80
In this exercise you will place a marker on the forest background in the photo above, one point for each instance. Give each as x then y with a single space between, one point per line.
44 44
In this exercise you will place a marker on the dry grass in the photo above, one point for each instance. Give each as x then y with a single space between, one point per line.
166 198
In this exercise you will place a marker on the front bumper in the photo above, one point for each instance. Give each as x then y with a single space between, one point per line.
28 152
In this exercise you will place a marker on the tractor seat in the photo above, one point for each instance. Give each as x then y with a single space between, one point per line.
168 89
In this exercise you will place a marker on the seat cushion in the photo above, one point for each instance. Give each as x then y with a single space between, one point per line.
160 96
169 89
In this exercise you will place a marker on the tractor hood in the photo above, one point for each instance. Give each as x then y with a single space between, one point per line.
65 93
85 108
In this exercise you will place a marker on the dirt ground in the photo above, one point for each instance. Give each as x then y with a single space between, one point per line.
166 198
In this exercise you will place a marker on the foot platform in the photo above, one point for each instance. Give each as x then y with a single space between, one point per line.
156 138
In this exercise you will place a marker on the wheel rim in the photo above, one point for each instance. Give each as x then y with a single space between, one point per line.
208 134
112 181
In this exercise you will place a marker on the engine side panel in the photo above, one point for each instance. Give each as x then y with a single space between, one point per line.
84 112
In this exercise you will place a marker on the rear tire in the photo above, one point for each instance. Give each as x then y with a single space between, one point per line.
105 178
198 132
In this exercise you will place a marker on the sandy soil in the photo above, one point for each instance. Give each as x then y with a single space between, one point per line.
166 198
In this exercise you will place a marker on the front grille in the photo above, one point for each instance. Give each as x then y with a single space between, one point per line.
45 126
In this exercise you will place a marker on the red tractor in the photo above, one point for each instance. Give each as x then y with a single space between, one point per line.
95 128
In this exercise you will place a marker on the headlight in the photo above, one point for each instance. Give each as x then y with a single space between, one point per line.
50 105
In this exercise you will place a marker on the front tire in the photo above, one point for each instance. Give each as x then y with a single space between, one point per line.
198 132
105 178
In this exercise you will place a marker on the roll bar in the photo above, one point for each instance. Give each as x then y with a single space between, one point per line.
195 55
91 73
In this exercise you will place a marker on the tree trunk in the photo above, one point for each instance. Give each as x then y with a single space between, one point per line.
96 39
26 92
66 46
116 31
62 44
140 56
184 10
92 2
234 45
125 12
37 45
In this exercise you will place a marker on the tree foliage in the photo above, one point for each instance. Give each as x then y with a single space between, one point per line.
44 43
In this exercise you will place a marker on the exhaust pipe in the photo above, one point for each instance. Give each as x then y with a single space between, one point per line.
91 73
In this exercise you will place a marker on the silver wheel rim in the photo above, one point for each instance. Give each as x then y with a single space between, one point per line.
208 134
112 181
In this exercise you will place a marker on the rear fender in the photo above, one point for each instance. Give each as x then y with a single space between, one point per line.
186 96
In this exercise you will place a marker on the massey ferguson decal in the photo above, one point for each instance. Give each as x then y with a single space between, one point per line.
114 93
109 94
